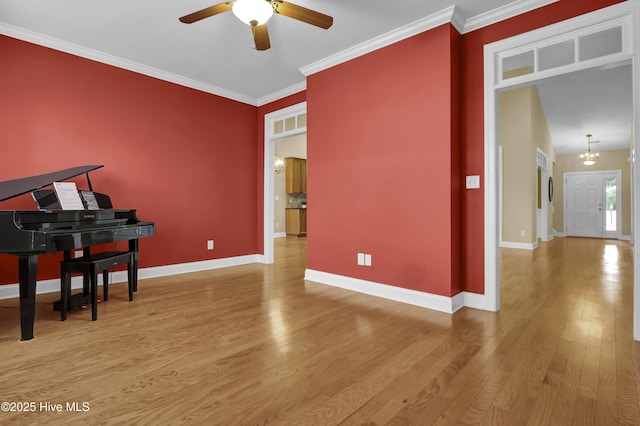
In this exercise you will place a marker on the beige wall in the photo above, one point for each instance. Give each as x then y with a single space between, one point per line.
522 127
608 160
294 146
542 140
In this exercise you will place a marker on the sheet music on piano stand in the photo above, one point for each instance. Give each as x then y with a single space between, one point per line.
90 200
68 195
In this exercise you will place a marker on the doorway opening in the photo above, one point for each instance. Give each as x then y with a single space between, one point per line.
278 125
290 208
570 38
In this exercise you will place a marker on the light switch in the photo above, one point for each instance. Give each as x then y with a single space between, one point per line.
473 182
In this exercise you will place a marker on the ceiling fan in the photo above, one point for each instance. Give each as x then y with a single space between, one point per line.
257 12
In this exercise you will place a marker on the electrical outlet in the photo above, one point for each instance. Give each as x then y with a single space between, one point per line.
210 245
78 253
361 259
473 182
367 260
523 233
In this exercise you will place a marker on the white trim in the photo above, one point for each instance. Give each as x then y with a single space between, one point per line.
547 238
474 300
51 286
385 291
448 15
421 25
523 246
635 176
287 91
625 238
268 152
492 267
279 235
571 29
542 162
502 13
105 58
202 265
492 188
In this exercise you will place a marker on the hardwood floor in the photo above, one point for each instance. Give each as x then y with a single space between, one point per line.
257 344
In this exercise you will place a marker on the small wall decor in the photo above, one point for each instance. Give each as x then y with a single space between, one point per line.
550 188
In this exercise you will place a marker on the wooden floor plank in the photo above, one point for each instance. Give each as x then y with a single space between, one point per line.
257 344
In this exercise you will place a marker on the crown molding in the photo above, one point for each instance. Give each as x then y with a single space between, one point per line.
449 15
406 31
457 20
105 58
501 13
287 91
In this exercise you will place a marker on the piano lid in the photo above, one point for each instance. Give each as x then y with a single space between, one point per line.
13 188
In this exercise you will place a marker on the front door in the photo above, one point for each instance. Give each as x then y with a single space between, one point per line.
584 209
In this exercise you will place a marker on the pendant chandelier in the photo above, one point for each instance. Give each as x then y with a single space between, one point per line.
589 158
278 162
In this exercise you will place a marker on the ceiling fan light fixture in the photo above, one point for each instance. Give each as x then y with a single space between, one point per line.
249 11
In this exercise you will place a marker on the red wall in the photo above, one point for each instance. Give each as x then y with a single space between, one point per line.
473 119
183 158
383 165
391 136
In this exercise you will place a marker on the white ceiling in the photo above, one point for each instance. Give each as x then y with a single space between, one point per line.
217 55
596 102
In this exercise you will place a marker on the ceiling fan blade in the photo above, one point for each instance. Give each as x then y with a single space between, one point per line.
260 36
205 13
302 14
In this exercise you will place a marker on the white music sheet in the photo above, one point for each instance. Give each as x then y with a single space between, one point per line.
68 195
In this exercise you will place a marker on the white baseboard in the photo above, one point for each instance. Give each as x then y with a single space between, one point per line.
51 286
399 294
547 238
622 237
524 246
474 300
203 265
280 235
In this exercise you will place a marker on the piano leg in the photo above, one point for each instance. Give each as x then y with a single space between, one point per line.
133 247
27 271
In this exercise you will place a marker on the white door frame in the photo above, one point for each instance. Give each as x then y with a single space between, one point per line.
542 162
604 174
269 181
626 10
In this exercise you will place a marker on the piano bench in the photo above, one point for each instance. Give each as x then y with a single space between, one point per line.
91 265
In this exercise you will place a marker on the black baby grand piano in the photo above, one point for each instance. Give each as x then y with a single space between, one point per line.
29 233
